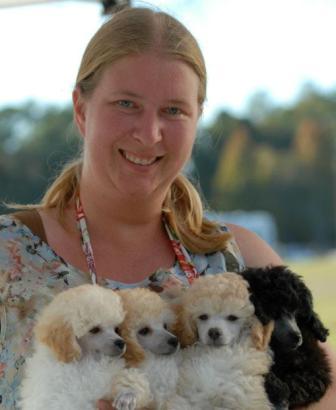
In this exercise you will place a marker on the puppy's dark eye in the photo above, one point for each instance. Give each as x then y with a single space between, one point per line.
144 331
117 330
232 318
165 326
203 317
95 330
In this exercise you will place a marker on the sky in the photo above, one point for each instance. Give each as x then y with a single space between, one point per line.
250 46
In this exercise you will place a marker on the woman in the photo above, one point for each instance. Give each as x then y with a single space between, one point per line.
121 215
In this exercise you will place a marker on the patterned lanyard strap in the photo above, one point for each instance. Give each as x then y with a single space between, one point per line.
181 254
85 239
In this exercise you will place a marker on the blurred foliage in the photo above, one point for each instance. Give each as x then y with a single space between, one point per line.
277 159
281 160
34 143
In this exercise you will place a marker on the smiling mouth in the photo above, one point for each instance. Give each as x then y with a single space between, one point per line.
138 161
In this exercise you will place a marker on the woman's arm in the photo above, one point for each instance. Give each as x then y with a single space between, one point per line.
257 253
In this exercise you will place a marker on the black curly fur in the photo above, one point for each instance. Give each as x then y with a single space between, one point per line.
301 375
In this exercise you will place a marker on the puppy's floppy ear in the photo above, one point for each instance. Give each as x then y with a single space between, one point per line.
134 354
60 338
317 328
307 317
260 312
261 334
184 327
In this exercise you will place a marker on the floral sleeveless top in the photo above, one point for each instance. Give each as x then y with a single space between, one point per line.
31 274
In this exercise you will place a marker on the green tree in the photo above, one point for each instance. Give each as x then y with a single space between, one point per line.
38 142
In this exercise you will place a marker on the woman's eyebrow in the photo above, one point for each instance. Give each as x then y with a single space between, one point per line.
178 102
173 101
125 92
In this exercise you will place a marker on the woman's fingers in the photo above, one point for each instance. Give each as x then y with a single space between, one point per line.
104 405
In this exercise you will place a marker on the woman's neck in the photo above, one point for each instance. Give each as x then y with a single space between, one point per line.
126 216
128 241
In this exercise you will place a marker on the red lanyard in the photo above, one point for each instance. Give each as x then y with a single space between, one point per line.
181 254
85 239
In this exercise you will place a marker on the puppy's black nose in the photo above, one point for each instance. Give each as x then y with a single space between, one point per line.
172 341
295 340
214 333
119 343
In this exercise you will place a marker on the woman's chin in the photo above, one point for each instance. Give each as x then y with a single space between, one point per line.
138 191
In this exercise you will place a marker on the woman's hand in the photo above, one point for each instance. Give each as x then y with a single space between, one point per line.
105 405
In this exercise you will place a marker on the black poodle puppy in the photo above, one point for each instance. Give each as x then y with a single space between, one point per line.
300 374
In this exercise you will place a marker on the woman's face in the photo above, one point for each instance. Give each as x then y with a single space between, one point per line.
139 124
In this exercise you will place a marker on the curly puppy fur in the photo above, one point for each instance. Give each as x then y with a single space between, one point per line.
151 347
77 358
300 374
225 355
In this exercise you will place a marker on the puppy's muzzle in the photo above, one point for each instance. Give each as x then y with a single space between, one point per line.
214 334
172 341
295 340
118 347
173 344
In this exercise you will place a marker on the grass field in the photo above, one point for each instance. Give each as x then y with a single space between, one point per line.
320 276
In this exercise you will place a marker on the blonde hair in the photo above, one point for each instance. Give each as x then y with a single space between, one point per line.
134 31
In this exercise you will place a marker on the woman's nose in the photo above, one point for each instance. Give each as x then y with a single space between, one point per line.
148 129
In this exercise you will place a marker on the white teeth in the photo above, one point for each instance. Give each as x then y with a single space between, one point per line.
138 161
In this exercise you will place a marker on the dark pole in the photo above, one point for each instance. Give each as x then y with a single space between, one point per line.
111 6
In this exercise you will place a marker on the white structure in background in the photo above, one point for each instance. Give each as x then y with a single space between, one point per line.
260 222
14 3
108 5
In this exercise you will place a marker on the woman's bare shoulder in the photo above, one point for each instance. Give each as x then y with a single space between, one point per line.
255 251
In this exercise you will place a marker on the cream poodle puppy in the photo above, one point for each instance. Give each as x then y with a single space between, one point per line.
151 347
78 352
225 355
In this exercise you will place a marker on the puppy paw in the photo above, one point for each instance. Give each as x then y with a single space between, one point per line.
125 400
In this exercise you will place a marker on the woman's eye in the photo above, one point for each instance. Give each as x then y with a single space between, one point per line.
125 103
95 330
203 317
232 318
173 111
144 331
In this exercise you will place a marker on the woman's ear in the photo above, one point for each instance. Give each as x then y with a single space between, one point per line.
79 110
60 339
